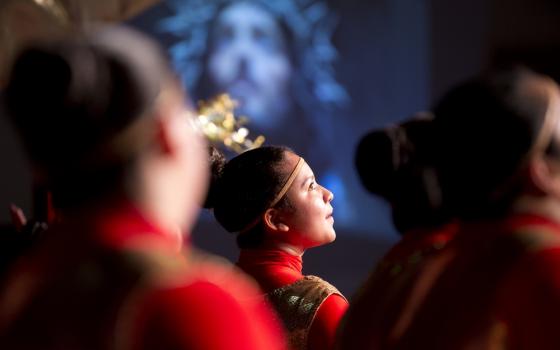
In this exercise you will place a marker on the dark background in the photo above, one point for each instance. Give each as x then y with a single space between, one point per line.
396 57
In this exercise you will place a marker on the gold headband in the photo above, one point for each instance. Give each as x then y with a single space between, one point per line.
288 183
281 193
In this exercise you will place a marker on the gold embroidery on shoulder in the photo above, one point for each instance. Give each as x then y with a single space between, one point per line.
297 305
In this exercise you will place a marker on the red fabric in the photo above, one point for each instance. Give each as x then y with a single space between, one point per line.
529 301
208 315
421 241
322 334
82 289
380 301
274 268
122 226
495 286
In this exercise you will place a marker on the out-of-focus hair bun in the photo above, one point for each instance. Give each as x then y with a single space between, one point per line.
396 164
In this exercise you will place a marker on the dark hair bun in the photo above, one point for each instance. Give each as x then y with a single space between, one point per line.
375 161
396 163
382 155
217 162
68 96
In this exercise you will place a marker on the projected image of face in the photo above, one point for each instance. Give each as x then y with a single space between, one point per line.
248 58
275 57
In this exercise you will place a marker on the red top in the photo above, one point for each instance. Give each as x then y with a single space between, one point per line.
113 280
275 268
495 286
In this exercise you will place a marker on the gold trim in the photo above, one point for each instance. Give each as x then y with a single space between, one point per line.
288 182
297 305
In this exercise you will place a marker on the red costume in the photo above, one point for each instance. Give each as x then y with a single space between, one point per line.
380 301
114 281
495 286
280 277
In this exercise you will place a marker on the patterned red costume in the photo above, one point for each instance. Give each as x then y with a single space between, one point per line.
310 308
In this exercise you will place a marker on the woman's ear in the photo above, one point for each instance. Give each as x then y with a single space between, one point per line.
545 174
163 135
273 221
170 122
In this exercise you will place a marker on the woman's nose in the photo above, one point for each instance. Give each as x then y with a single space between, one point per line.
327 195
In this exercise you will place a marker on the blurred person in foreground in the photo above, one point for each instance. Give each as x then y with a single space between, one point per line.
396 164
104 121
497 283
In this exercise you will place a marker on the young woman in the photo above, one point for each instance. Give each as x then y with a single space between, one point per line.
270 198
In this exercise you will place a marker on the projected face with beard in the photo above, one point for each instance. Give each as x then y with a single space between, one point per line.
248 58
275 57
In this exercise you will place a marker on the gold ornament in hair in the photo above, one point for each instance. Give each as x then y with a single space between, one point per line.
220 125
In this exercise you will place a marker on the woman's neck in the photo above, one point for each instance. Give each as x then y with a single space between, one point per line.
271 267
284 247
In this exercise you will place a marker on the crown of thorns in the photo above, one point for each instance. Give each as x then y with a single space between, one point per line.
310 22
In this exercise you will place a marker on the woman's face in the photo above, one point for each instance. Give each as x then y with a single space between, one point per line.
248 59
310 218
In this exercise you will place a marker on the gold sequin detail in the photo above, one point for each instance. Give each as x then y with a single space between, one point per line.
297 305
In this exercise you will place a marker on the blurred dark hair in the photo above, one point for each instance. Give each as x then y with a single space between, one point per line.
486 127
69 98
395 163
217 161
243 188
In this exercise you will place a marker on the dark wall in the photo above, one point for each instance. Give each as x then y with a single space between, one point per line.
459 41
467 37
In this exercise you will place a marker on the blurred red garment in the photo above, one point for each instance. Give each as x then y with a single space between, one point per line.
380 301
313 316
495 286
112 280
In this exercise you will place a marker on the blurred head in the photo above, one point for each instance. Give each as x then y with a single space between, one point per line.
248 58
495 133
395 163
270 195
94 111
